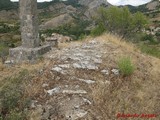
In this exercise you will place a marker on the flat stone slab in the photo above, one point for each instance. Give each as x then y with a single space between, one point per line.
74 91
21 54
66 90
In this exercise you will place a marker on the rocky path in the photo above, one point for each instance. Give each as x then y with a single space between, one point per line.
73 72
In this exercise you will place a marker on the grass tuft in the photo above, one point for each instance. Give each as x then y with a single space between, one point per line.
125 65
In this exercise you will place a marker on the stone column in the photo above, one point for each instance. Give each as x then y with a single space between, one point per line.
30 49
29 23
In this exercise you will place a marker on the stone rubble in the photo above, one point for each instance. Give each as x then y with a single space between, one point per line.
9 62
71 96
77 114
74 92
54 90
87 81
115 71
58 69
87 101
64 66
106 72
45 85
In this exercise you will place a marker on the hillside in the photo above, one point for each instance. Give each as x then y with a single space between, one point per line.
106 65
151 9
81 9
82 80
71 18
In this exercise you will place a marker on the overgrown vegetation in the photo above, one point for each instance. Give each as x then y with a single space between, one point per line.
129 25
12 100
9 28
3 52
150 38
67 2
151 50
76 30
98 30
126 67
7 5
120 21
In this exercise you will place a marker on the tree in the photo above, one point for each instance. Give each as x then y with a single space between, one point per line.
139 21
6 5
120 21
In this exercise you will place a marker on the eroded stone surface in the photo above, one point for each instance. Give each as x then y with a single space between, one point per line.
82 56
74 72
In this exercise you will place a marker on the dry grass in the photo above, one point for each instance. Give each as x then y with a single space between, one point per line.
138 93
7 71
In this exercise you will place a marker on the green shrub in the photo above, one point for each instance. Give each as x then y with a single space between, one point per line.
158 34
3 52
12 101
120 21
151 50
16 115
98 30
82 36
125 65
150 38
6 28
76 29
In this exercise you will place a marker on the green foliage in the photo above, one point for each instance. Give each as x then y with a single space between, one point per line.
151 50
125 65
77 29
82 36
12 101
41 57
43 5
139 21
15 115
150 38
3 52
158 34
121 21
7 5
7 28
74 3
98 30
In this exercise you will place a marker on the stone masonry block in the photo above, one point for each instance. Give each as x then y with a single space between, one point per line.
21 54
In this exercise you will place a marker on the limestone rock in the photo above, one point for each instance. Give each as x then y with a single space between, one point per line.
87 81
54 90
74 92
115 71
106 72
58 69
